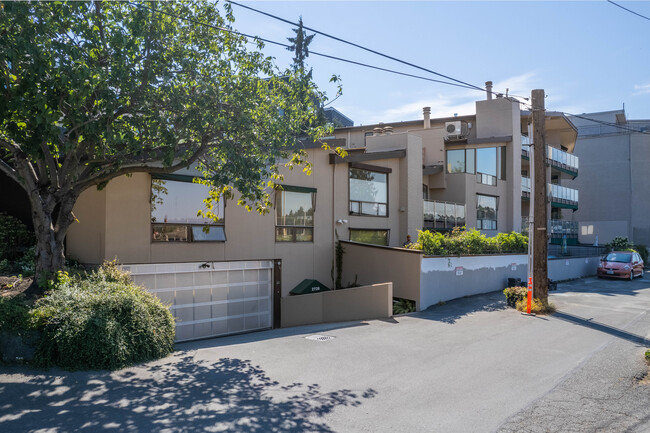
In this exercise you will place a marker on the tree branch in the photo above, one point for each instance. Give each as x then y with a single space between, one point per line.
107 175
51 165
9 171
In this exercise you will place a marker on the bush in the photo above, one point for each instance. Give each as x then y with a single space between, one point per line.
536 307
101 320
14 237
515 294
467 242
403 306
14 317
619 243
647 356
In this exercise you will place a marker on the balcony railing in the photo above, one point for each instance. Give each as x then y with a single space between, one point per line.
486 179
560 195
443 215
556 228
556 158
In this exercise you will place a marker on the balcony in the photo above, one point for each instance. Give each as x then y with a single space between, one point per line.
560 196
558 230
556 158
440 215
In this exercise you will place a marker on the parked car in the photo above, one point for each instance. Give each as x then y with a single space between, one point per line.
621 264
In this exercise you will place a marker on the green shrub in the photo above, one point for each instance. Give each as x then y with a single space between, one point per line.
101 320
14 237
26 265
536 307
515 294
468 242
14 315
647 356
403 306
619 243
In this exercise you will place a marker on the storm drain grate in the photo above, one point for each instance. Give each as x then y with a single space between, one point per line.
319 337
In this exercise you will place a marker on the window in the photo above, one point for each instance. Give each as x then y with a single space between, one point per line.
174 204
490 165
294 214
461 161
369 236
486 212
368 192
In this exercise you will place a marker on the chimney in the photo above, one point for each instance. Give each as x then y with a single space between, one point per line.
427 117
488 89
378 130
388 130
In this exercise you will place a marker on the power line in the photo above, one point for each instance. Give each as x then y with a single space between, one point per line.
458 83
629 10
358 46
269 41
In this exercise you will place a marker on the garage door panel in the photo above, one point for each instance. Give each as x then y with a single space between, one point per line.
211 299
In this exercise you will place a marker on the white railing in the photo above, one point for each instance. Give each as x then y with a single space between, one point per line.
556 157
559 194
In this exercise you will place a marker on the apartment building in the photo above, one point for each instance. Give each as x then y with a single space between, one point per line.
476 169
614 178
228 276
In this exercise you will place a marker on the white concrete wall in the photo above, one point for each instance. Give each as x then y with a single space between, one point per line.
446 278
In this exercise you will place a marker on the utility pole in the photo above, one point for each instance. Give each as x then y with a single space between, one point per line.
539 235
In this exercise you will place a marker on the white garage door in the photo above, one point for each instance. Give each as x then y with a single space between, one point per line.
213 298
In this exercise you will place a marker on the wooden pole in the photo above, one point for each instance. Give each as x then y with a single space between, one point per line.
540 242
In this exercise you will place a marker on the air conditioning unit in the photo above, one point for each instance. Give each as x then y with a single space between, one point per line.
453 129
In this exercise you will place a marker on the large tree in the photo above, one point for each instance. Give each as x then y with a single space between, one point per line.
95 90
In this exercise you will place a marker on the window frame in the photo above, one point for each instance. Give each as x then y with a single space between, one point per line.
294 229
372 169
351 230
221 224
466 152
479 226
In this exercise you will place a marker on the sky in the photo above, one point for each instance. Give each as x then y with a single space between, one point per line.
588 56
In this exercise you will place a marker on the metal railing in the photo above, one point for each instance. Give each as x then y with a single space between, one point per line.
558 193
556 228
486 179
556 158
443 215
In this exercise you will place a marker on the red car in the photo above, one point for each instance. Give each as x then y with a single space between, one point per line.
621 264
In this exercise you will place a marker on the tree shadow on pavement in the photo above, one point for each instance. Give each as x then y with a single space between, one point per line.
589 323
452 311
180 394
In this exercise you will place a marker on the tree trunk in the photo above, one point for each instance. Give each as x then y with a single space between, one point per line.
52 216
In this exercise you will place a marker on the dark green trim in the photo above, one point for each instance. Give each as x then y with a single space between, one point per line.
563 205
564 170
291 188
176 177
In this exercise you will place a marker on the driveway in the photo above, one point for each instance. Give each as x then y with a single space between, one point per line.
470 365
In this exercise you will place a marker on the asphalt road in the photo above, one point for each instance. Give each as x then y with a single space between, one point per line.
471 365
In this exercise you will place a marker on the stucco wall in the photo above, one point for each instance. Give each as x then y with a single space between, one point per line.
446 278
569 268
371 264
358 303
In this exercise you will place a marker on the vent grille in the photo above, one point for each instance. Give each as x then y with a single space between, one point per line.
319 337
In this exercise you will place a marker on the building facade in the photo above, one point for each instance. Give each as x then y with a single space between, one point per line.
614 178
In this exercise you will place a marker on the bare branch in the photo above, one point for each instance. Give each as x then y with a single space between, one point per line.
9 171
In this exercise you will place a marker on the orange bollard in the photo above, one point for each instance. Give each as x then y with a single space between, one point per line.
530 294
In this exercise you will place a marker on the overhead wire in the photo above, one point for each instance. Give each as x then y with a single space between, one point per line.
628 10
456 82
